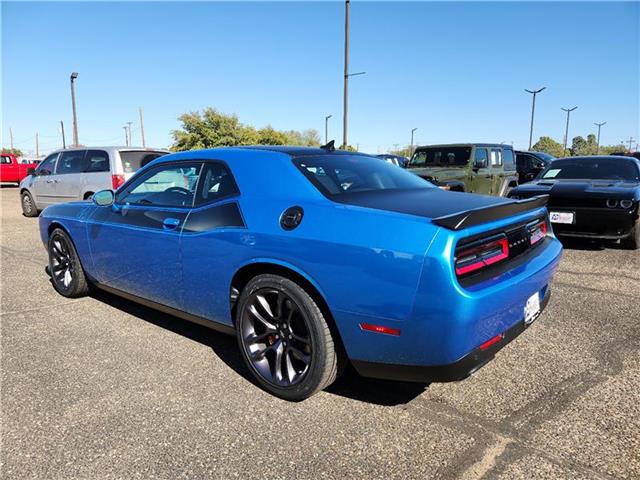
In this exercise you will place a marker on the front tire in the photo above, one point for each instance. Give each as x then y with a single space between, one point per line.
284 338
67 274
632 242
29 208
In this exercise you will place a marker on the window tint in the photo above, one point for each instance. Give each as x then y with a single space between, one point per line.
48 165
509 163
340 175
134 160
5 160
481 156
71 162
217 183
595 168
496 157
169 186
96 161
441 157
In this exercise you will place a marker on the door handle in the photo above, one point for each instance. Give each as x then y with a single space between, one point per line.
51 181
170 223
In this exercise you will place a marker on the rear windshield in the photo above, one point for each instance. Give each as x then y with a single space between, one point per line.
134 160
340 175
441 157
592 168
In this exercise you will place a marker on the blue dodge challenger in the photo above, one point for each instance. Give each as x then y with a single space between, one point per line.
314 258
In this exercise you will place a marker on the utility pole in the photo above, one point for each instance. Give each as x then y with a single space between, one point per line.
345 98
533 111
326 128
126 135
142 127
566 131
129 125
411 148
37 147
599 125
11 137
74 75
630 142
64 142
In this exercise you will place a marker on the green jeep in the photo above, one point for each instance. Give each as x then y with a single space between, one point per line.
485 168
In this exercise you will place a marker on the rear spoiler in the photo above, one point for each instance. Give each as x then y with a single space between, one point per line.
478 216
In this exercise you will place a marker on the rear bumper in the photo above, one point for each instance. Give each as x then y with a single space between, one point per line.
458 370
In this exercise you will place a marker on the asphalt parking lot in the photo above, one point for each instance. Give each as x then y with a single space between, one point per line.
102 388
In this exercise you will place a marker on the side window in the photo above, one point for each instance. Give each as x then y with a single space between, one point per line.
96 161
509 164
481 158
217 183
496 157
71 162
5 160
166 186
48 165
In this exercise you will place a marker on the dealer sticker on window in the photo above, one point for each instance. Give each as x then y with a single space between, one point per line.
532 308
561 217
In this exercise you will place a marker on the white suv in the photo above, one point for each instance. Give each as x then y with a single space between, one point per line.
77 173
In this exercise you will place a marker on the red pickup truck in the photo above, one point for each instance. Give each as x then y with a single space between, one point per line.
11 170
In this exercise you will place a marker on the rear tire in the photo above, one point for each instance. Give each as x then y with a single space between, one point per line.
632 242
284 338
29 208
67 274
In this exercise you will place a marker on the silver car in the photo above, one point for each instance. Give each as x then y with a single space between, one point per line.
77 173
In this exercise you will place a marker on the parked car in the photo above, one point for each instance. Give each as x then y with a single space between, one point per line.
11 170
530 164
397 160
77 173
475 168
30 161
309 271
591 197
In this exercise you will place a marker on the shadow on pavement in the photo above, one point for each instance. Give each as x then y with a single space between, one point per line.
349 385
589 245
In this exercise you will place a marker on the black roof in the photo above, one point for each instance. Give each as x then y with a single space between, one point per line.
470 144
296 151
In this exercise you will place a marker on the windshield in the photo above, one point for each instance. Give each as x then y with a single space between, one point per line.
441 157
134 160
596 168
339 175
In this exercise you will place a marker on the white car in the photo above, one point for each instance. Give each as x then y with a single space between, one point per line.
77 173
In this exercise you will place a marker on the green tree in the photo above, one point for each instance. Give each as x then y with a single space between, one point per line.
15 151
269 136
550 146
580 146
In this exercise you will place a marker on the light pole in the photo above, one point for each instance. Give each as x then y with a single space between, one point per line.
411 148
130 140
73 77
64 141
142 127
566 131
326 128
533 111
345 97
599 125
126 135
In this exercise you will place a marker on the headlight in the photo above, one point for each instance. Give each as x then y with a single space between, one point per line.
612 203
626 203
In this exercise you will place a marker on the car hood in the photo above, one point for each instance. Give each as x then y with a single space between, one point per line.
424 202
579 188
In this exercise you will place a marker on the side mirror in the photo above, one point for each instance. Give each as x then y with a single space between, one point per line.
480 163
31 171
529 176
103 198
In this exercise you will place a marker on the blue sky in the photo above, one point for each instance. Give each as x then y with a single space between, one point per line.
454 70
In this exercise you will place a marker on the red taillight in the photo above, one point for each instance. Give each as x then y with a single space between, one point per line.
490 342
538 231
478 256
380 329
117 181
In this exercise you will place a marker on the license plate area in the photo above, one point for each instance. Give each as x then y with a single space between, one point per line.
562 217
532 308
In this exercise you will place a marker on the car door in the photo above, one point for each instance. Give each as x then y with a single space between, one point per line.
497 170
8 169
69 173
481 181
135 243
43 183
